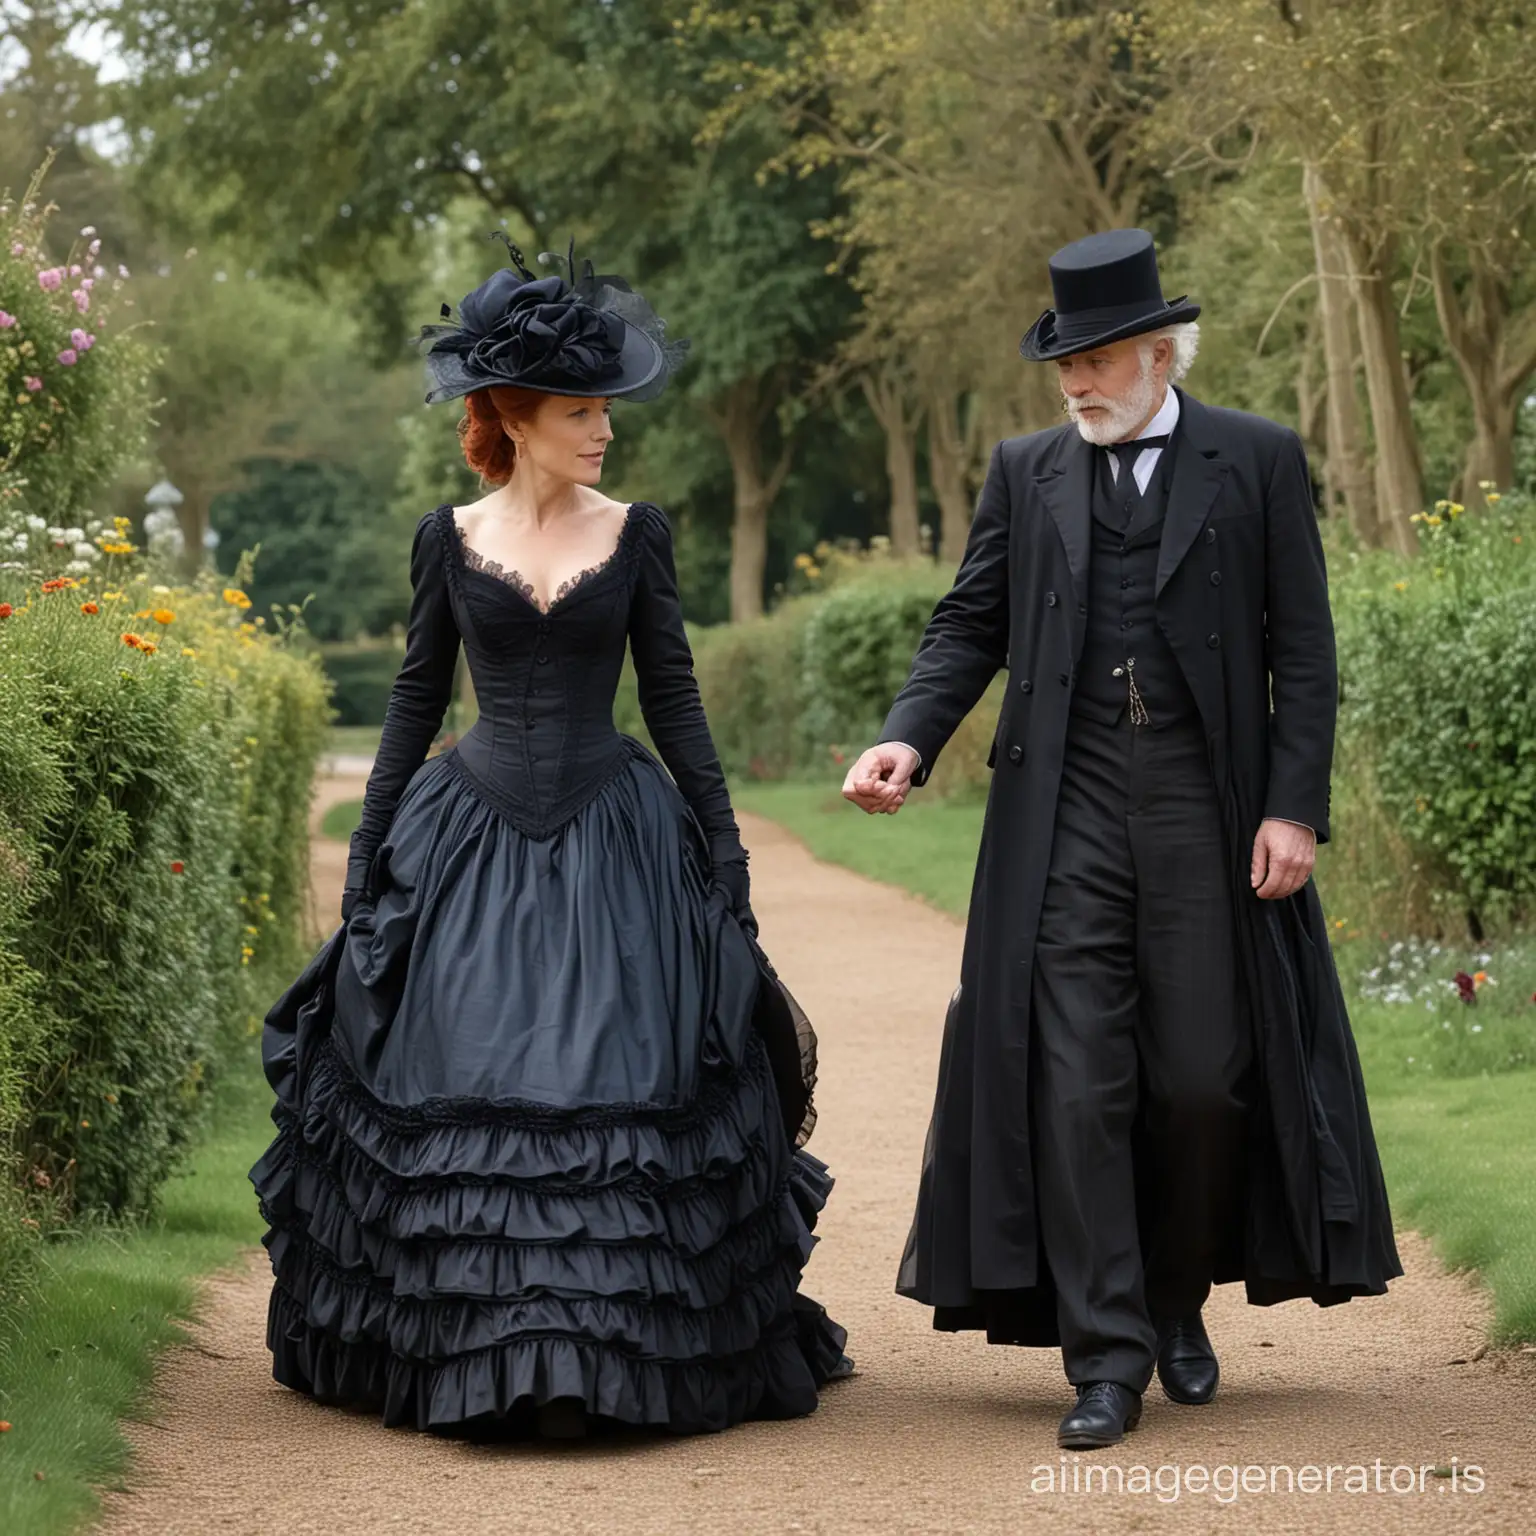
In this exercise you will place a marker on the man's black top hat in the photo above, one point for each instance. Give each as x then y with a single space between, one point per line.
582 334
1106 289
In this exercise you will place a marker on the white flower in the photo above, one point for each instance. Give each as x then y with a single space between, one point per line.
85 551
55 533
161 591
36 523
74 535
21 543
78 567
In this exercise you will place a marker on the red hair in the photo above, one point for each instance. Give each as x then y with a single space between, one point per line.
487 414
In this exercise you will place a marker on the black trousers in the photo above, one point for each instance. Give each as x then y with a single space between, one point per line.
1142 1053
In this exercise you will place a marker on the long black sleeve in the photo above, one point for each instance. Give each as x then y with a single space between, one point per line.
418 701
1303 668
669 692
966 641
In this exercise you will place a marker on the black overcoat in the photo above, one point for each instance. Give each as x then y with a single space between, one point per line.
1242 598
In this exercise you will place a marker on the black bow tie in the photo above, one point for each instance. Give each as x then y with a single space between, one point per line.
1128 453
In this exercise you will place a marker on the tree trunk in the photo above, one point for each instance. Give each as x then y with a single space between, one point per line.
1399 481
890 400
739 416
951 448
1478 334
1347 467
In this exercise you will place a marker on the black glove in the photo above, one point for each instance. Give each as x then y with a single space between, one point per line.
732 878
349 900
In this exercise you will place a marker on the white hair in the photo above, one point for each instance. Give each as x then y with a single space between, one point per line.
1186 343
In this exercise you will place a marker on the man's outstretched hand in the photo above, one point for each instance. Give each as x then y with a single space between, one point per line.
1283 856
879 781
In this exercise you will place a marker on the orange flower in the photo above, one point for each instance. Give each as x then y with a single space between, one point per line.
148 647
6 610
89 608
59 584
163 616
133 640
5 1426
177 866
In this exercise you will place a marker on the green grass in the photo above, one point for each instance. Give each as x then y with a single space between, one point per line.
109 1302
1453 1111
340 822
929 849
360 739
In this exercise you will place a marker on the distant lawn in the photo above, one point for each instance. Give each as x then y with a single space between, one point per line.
109 1304
355 740
929 848
1457 1135
340 822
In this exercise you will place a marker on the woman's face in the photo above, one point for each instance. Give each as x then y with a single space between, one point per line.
566 438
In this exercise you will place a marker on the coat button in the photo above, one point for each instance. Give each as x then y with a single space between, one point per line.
1015 754
542 661
1025 686
1063 678
1215 578
1210 535
1050 599
1214 641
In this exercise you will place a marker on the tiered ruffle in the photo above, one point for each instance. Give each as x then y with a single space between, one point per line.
462 1262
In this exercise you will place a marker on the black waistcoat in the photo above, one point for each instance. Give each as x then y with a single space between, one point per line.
1122 591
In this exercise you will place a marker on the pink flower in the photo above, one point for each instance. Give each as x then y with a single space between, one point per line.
6 321
17 248
33 383
82 299
76 270
83 341
69 357
87 283
122 271
95 247
50 279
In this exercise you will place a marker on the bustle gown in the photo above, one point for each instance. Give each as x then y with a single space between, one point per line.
538 1096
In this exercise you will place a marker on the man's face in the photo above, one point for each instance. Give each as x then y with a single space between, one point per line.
1112 391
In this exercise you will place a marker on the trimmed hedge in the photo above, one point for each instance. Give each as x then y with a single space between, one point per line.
154 796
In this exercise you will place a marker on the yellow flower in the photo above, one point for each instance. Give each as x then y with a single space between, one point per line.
115 547
1456 509
1492 497
122 523
803 562
236 598
187 650
1435 521
111 597
812 572
163 616
1399 586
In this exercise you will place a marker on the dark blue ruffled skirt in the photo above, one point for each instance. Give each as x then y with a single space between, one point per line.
529 1142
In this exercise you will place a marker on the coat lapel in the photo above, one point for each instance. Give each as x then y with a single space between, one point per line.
1067 490
1199 473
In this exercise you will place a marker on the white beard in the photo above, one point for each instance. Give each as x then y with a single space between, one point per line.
1121 417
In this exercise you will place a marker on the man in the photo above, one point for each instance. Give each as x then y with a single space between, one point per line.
1148 1081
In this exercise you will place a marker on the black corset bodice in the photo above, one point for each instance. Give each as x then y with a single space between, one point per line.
545 742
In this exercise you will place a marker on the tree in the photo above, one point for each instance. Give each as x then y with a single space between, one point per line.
334 143
970 142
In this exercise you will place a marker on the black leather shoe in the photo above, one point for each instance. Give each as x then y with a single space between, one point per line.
1186 1363
1106 1412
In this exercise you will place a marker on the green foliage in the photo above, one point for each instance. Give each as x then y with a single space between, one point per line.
74 377
361 676
1438 672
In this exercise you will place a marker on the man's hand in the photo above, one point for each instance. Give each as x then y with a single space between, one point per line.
1283 856
879 781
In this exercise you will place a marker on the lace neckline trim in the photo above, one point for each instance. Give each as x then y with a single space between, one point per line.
475 561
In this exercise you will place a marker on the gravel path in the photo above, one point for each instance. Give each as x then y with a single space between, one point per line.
935 1434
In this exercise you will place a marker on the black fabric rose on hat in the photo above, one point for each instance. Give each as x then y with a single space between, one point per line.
543 334
588 335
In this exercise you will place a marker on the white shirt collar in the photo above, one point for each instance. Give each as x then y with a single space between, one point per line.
1167 417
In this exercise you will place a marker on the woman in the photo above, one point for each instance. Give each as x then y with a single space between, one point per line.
539 1096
